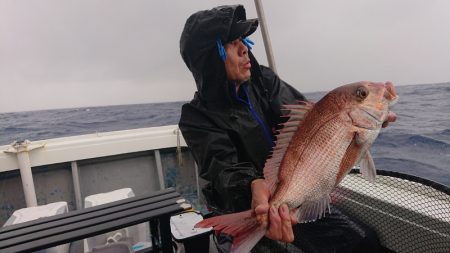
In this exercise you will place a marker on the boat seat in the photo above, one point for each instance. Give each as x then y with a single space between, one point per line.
155 208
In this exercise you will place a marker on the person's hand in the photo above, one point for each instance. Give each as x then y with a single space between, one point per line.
390 118
260 200
280 220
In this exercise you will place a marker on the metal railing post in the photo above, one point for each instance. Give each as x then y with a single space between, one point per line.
76 184
21 149
159 169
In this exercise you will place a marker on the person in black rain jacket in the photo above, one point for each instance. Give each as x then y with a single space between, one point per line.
229 125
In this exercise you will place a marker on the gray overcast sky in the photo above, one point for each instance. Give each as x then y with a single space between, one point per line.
59 54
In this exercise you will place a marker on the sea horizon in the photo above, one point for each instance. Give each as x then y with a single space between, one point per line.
179 101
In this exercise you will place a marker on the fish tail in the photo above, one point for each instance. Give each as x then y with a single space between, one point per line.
243 227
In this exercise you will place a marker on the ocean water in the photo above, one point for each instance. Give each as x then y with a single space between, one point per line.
418 143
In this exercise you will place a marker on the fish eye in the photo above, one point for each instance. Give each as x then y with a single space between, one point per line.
362 93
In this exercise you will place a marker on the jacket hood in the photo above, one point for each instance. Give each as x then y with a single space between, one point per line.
199 51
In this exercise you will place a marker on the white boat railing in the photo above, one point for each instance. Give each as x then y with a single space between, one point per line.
25 155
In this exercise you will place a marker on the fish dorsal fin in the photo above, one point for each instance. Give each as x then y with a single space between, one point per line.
296 115
313 210
368 167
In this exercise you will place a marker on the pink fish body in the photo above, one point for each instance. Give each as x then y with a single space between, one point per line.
316 148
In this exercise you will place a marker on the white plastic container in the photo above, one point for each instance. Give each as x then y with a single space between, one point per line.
188 238
36 212
132 235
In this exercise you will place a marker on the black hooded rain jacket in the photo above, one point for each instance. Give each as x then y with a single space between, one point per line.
229 133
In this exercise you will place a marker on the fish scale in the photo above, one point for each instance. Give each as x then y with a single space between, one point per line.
318 166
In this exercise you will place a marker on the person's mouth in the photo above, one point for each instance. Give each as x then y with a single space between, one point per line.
247 65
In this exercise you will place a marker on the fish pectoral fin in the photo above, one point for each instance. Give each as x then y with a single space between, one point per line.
313 210
368 167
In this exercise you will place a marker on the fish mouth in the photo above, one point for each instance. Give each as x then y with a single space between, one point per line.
390 94
393 101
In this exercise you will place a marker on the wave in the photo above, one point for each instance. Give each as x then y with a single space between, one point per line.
14 129
402 164
413 167
425 141
445 132
90 124
413 140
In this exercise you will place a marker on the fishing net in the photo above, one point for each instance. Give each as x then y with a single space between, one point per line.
410 214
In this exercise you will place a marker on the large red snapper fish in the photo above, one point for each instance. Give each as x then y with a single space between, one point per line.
314 151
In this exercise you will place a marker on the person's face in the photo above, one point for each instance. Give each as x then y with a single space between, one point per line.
237 64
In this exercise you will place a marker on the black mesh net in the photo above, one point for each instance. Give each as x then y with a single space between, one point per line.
410 214
407 213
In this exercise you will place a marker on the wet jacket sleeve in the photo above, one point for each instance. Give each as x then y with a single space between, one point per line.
214 151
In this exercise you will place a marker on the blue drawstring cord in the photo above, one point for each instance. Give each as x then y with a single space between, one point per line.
255 115
223 54
221 49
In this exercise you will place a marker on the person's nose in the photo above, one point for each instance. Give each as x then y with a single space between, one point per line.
242 48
